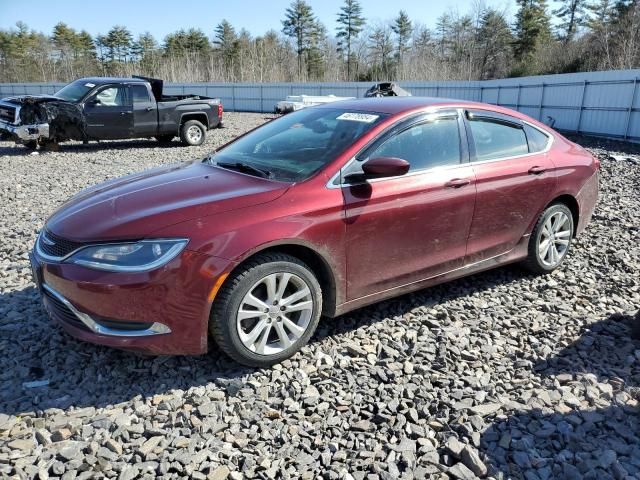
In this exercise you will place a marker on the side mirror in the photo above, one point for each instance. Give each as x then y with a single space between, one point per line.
381 167
94 101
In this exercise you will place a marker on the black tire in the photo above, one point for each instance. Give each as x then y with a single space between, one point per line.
164 139
534 260
191 139
31 145
222 323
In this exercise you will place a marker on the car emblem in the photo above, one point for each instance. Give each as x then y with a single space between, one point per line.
47 240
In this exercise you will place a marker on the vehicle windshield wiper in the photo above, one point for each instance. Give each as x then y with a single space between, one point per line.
245 168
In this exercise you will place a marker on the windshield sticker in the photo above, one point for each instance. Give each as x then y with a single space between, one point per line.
90 85
358 117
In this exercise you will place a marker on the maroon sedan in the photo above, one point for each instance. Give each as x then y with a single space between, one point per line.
316 213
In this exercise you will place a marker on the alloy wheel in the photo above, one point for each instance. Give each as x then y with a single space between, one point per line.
275 313
554 239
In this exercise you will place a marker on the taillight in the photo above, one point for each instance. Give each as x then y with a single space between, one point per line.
220 109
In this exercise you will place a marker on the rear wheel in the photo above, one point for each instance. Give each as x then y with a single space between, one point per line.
551 239
267 310
193 133
31 145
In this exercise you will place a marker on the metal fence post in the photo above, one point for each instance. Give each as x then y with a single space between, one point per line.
261 100
541 103
481 93
437 90
498 98
584 90
233 97
630 109
518 97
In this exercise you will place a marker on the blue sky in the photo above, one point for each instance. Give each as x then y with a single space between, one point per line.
161 17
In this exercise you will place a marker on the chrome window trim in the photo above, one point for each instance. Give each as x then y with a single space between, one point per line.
155 329
331 183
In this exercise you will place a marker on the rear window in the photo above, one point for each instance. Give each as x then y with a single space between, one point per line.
140 94
296 146
495 139
537 140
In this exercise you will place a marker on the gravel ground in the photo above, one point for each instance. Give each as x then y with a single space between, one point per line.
503 374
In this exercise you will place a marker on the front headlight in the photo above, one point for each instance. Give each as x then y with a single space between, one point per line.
129 257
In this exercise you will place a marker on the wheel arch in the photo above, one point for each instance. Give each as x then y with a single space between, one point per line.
199 116
316 261
572 204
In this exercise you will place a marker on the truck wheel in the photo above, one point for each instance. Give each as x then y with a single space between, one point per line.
31 145
267 310
164 139
193 133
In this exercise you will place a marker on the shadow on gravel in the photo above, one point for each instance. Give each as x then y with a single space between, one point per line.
42 367
601 441
33 349
20 151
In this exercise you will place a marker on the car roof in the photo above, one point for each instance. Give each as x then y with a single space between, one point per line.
104 80
397 105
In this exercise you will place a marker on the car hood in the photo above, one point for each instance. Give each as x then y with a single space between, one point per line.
135 206
23 99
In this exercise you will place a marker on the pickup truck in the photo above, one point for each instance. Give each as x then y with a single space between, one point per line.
106 108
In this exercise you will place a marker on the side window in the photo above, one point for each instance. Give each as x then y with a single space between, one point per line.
113 97
140 94
426 145
537 140
495 139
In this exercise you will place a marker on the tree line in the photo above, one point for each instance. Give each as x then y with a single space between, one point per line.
478 44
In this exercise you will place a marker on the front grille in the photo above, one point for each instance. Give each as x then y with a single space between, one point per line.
7 114
55 246
60 311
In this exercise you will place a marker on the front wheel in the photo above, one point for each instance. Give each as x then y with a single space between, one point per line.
267 310
551 239
193 133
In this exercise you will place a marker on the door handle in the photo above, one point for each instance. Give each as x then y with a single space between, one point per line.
148 109
124 113
537 170
457 183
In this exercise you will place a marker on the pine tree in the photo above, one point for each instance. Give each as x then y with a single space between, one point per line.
402 28
350 24
300 24
118 42
532 27
573 14
226 40
494 41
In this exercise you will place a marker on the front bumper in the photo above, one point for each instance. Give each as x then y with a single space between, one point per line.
25 133
161 312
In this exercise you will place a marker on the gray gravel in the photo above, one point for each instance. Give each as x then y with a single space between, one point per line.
502 374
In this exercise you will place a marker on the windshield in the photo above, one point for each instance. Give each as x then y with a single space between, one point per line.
74 92
294 147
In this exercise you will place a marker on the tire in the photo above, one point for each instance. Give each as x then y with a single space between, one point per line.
235 337
164 139
188 135
31 145
558 220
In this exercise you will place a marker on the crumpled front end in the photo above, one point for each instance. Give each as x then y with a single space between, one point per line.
35 118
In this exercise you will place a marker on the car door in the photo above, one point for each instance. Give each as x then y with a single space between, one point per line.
145 114
404 229
109 113
514 179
